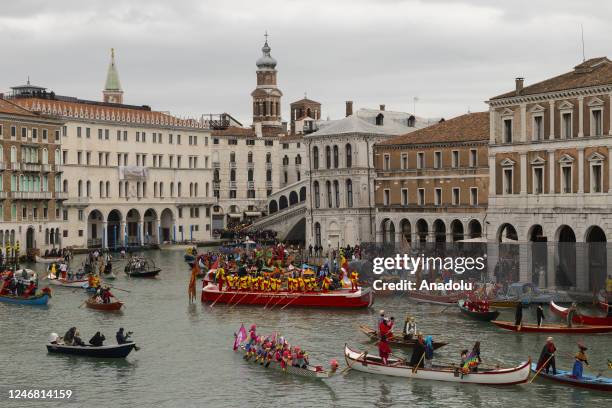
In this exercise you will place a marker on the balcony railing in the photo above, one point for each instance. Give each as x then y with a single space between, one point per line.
31 195
3 195
232 185
46 168
59 168
32 167
216 165
268 185
250 185
60 195
250 165
232 164
2 166
268 166
15 166
76 202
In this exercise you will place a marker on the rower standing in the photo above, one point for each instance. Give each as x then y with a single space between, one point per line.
418 352
409 327
518 315
540 315
383 349
580 359
571 312
547 357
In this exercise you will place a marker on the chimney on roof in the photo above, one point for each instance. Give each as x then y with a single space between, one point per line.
349 108
519 85
382 107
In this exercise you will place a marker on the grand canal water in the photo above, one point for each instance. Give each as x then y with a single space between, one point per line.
186 359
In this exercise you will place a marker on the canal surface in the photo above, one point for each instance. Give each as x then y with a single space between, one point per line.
186 358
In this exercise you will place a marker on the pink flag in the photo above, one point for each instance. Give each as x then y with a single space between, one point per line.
240 337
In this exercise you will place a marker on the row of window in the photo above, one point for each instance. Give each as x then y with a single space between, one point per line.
332 193
141 137
249 142
567 179
455 198
30 155
137 189
566 125
29 212
29 133
174 161
31 183
438 162
332 156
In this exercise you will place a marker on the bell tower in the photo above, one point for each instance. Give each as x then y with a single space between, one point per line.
112 92
266 96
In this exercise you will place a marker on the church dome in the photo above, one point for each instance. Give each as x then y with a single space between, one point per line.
266 60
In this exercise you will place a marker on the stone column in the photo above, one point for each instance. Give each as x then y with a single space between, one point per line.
492 172
104 234
551 264
582 267
552 120
551 172
581 116
523 189
122 234
158 231
581 170
492 124
525 264
523 122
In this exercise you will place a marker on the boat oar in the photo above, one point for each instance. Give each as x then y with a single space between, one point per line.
123 290
416 367
443 309
278 301
81 305
240 300
290 302
541 368
271 297
350 365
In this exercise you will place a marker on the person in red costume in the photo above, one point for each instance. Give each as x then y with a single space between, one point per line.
385 328
30 290
383 349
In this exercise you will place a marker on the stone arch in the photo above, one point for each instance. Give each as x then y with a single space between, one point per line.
151 226
302 194
506 232
293 198
282 202
565 267
166 221
113 229
387 231
272 207
597 255
539 255
457 230
475 229
95 226
406 229
132 221
422 229
439 229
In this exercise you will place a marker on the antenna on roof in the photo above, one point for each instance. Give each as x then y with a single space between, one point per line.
582 35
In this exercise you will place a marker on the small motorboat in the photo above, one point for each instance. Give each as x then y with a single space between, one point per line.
109 351
399 368
104 307
552 328
37 300
141 267
579 318
586 381
482 316
396 341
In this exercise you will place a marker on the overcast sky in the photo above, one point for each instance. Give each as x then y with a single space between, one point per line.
192 57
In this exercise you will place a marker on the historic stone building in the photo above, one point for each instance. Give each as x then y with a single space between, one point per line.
341 174
550 179
432 184
31 179
131 175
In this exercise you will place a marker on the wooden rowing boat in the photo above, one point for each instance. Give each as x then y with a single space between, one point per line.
104 307
579 318
552 328
422 297
586 381
110 351
396 341
363 297
482 316
76 283
398 368
49 260
308 372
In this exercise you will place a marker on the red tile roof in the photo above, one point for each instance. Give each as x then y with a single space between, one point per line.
592 72
465 128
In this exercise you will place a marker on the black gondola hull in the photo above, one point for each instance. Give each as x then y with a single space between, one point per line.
111 351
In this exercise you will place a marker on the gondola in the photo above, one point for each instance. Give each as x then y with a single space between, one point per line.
396 341
398 368
105 307
482 316
552 328
38 300
139 267
586 381
109 351
581 319
422 297
49 259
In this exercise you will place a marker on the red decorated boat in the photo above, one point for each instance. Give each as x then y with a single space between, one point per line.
581 319
552 328
446 300
342 298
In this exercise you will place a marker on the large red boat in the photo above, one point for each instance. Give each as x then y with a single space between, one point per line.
579 318
342 298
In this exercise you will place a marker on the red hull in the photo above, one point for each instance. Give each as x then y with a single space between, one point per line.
435 299
335 299
581 319
552 328
104 307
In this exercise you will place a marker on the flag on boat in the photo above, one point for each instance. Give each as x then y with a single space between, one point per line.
472 361
240 336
